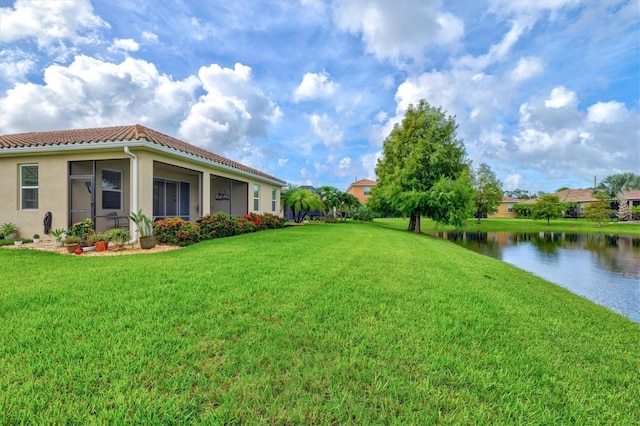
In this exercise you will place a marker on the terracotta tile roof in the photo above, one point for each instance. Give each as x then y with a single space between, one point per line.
364 182
119 133
634 194
576 195
511 200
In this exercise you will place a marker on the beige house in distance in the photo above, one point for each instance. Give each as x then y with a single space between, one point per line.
361 189
106 173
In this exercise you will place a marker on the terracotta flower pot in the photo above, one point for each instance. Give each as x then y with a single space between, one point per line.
101 245
71 248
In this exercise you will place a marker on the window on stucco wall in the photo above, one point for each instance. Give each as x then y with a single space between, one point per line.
273 199
367 190
28 186
256 197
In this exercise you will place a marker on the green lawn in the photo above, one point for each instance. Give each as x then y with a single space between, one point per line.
319 324
526 225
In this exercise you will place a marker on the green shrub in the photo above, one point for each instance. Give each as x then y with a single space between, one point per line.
217 225
328 219
245 226
361 213
176 231
83 229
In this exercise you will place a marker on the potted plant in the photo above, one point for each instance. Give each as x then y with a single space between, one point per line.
57 235
9 230
145 228
83 229
72 243
100 241
119 237
36 238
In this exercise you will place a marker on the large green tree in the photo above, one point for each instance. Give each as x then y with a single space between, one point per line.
336 201
423 171
547 207
488 191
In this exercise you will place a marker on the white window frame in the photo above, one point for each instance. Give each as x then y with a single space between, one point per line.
23 187
111 189
366 191
256 197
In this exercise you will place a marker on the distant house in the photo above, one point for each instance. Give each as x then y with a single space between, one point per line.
107 173
361 189
505 208
581 197
633 200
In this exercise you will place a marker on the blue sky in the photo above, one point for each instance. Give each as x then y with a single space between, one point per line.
546 92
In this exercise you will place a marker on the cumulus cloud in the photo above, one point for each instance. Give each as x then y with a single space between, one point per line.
92 93
556 136
326 130
561 97
49 22
402 28
126 45
233 111
15 65
526 69
607 112
315 86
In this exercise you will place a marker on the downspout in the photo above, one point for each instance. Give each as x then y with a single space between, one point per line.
134 191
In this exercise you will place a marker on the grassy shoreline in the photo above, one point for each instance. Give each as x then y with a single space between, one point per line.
345 323
579 226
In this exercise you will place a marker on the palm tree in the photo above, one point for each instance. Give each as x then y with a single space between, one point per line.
616 186
303 201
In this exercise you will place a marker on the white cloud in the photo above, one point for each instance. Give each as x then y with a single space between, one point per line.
201 31
512 181
126 44
561 97
326 130
315 86
558 138
15 65
50 21
232 112
526 69
607 112
401 28
149 36
93 93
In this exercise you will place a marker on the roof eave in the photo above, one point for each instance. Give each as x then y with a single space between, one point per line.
132 143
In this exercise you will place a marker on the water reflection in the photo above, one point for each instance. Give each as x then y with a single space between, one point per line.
602 268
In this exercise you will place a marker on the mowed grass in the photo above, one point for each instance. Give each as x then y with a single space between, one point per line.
321 324
580 226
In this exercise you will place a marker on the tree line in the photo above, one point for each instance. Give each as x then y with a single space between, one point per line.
424 172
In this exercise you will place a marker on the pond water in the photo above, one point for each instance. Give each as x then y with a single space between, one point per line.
603 268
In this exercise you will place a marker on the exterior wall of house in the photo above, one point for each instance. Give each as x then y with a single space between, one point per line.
359 192
52 175
504 210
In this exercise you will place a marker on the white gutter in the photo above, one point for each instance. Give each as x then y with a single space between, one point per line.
134 191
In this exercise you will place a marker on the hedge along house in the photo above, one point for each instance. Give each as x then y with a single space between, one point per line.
106 173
